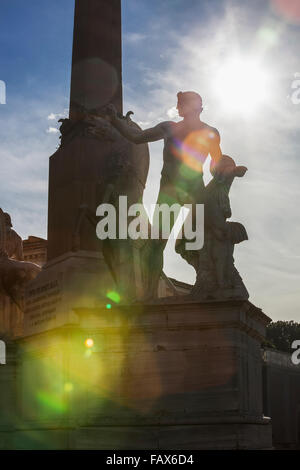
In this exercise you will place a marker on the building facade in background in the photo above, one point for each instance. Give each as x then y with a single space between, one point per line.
35 250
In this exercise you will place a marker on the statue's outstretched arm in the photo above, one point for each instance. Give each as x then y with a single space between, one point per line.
137 136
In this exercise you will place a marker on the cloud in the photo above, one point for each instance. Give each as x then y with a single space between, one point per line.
143 123
134 38
172 112
266 200
52 130
53 116
24 152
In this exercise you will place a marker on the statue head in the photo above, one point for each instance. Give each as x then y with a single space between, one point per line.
189 103
7 219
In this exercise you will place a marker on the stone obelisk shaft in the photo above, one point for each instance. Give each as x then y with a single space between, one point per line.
78 170
97 55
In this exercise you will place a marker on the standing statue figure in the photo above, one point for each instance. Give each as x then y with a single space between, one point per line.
13 241
217 277
186 146
14 272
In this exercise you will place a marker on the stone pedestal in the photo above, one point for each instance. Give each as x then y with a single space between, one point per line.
168 376
71 281
8 395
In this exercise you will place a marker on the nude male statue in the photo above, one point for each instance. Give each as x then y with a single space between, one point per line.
186 146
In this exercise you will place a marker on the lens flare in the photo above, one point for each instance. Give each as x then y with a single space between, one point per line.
114 296
268 36
89 343
88 353
289 9
192 152
101 86
51 402
68 387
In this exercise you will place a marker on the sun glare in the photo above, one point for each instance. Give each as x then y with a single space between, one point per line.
241 86
89 342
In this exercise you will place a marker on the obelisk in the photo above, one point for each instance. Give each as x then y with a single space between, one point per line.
79 277
77 169
81 270
97 55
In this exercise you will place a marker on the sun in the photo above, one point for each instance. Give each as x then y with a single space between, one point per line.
241 85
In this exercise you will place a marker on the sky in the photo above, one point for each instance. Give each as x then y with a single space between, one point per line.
171 46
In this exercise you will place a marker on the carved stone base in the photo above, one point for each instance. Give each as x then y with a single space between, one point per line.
206 288
174 376
75 280
197 437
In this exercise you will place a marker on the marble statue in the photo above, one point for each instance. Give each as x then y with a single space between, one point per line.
217 276
14 272
186 146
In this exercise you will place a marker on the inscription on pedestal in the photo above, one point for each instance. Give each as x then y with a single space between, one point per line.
42 302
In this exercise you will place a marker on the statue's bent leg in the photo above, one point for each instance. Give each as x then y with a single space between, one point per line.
154 249
153 259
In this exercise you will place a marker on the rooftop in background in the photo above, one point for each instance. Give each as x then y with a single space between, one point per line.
35 250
